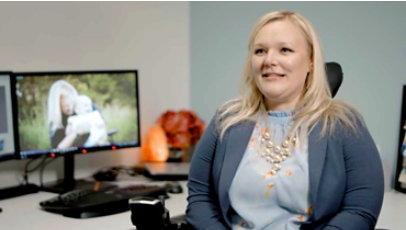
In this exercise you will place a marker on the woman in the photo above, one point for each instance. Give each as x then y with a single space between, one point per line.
285 155
61 104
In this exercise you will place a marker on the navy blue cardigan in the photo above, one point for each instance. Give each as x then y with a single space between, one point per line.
345 176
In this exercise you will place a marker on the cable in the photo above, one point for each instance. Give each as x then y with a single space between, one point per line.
41 171
36 167
27 170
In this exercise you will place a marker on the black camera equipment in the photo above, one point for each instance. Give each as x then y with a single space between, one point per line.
150 213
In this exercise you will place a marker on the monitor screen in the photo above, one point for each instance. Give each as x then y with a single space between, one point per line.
7 145
72 112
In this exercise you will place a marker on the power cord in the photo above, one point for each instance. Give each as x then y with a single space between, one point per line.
28 170
41 171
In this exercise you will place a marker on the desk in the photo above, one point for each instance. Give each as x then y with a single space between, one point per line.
24 212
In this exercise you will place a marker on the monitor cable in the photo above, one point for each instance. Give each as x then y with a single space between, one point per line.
28 170
24 186
41 171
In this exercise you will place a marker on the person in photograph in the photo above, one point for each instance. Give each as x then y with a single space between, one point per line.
88 119
62 99
285 155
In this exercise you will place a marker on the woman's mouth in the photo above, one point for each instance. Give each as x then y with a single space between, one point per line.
266 75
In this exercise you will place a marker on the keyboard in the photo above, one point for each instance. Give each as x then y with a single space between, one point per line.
86 203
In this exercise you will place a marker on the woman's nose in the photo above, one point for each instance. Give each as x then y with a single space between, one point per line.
270 59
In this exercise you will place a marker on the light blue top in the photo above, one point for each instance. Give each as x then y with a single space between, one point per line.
265 201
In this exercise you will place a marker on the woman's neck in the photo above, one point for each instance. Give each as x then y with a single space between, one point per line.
280 106
274 105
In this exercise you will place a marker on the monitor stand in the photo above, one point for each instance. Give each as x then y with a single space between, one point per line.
68 183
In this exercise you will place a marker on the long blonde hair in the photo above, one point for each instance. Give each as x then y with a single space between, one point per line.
316 103
58 89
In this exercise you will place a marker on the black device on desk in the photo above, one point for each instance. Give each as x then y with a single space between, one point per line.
85 203
150 213
167 170
18 191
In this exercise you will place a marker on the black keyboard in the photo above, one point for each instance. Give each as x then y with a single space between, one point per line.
85 203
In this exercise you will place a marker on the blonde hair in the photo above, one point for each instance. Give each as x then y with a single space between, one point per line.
316 102
58 89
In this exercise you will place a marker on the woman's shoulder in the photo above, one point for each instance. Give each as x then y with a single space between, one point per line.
231 114
340 105
229 104
345 119
227 109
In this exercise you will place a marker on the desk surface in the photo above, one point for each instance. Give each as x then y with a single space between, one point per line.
24 212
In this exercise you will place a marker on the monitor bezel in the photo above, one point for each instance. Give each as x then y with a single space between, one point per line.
77 150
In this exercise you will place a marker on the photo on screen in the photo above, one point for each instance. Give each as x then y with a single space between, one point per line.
60 111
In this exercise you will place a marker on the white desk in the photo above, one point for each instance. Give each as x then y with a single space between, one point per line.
24 212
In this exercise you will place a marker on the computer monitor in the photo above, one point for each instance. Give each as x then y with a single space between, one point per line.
7 144
70 112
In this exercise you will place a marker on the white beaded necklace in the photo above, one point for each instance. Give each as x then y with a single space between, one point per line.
275 154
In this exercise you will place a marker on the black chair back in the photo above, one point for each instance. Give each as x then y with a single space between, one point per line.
334 76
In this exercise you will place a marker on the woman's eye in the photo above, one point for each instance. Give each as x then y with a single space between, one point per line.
259 51
286 50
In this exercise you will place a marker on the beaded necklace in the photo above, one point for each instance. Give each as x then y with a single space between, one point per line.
275 154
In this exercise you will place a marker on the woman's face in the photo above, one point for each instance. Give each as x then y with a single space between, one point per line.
280 63
67 104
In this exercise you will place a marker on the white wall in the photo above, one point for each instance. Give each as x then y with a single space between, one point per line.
366 38
152 37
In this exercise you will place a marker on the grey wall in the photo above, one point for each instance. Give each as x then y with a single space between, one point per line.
366 38
152 37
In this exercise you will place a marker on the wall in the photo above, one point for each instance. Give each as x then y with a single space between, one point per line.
156 39
152 37
364 37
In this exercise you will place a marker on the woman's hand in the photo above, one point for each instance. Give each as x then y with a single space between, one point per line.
70 136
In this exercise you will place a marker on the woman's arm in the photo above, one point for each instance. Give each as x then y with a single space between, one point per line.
60 138
69 138
365 184
203 211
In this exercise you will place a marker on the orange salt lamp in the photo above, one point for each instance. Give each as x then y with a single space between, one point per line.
154 147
